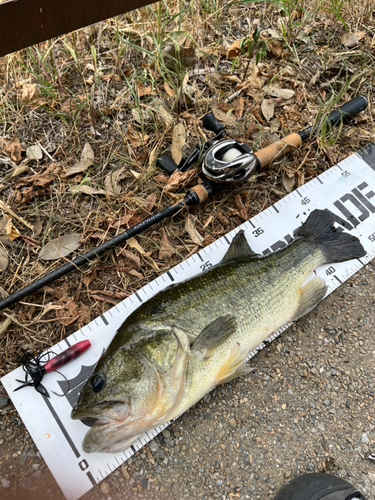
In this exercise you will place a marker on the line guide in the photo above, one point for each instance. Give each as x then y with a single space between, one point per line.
347 190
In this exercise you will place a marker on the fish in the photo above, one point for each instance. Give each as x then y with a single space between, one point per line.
194 335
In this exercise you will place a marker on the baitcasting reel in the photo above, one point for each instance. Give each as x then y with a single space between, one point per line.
229 161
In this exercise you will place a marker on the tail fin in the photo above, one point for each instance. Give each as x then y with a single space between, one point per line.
336 245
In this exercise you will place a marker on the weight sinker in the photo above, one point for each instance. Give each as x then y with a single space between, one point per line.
196 334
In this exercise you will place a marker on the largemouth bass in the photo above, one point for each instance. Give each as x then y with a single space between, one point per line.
196 334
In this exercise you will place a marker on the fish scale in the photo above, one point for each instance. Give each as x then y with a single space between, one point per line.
195 335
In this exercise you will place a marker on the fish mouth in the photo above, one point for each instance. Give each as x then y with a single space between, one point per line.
101 437
101 413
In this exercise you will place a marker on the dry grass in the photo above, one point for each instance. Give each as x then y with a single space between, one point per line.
119 85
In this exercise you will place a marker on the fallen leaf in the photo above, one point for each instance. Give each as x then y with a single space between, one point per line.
107 296
360 34
255 79
131 256
171 92
272 33
87 152
136 174
87 190
150 202
349 40
289 179
178 180
275 124
81 166
69 313
143 90
135 273
229 118
4 261
188 91
134 244
165 115
241 207
11 232
60 247
42 179
268 108
178 141
30 94
193 233
229 78
234 50
88 278
283 93
34 153
12 146
135 138
112 181
166 249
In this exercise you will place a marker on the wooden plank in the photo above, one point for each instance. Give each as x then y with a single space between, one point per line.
27 22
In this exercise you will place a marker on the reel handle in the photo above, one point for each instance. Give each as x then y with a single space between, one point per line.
210 123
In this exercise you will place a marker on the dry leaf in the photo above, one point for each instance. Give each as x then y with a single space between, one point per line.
34 153
11 232
134 244
136 174
349 40
112 181
4 261
87 152
135 138
88 278
268 108
241 207
255 80
150 202
81 166
69 313
283 93
12 146
229 78
178 180
166 249
178 141
289 179
3 234
131 256
171 92
135 273
188 91
360 34
143 90
228 118
193 233
60 247
87 190
234 50
165 115
30 94
107 296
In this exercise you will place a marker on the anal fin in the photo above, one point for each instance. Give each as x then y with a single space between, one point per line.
310 296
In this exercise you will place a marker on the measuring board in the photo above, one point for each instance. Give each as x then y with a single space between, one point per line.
346 190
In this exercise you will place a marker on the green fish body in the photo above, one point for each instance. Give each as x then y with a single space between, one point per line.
196 334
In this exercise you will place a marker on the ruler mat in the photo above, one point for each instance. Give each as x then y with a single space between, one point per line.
347 190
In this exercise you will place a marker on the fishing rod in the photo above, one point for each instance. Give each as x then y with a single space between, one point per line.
223 162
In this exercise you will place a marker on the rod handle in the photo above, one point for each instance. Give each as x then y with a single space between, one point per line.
278 149
348 110
210 123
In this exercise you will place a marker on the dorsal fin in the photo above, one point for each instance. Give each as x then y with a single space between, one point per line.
239 248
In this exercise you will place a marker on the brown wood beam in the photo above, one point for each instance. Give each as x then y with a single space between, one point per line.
27 22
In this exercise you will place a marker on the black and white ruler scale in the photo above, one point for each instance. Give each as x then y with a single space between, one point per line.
347 190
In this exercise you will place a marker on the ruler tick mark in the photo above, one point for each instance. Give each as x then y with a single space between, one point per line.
170 276
338 279
104 319
226 239
296 191
275 209
138 296
320 180
199 255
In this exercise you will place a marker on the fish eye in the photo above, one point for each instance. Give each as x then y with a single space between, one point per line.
98 382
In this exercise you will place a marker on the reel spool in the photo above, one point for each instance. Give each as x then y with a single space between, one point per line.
230 162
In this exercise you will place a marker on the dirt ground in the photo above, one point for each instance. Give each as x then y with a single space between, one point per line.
308 406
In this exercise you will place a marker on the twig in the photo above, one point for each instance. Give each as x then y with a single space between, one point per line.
20 219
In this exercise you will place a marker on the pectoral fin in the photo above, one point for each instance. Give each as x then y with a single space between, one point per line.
215 333
310 296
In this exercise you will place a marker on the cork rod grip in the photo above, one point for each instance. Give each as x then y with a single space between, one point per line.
278 149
